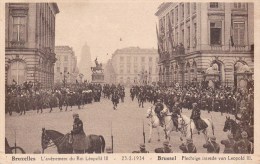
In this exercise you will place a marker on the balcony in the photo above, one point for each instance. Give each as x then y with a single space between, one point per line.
17 44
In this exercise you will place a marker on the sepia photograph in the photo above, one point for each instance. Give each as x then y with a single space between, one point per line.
129 77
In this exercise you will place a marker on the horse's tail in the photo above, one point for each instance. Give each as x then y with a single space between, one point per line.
103 143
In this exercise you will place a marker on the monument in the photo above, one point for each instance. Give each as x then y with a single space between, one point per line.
97 73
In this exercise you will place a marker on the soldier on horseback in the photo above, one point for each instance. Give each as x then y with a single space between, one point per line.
158 108
79 137
195 116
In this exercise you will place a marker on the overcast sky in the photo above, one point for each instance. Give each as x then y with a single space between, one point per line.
102 24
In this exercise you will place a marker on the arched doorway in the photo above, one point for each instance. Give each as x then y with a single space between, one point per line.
17 72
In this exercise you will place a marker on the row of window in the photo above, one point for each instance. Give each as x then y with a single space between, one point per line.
128 59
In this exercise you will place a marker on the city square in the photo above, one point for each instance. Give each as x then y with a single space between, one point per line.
114 70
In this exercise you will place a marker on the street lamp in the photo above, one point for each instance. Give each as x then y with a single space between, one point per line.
64 77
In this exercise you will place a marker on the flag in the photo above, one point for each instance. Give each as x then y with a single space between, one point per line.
231 33
170 33
158 41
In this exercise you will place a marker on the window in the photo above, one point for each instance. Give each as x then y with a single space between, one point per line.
215 33
121 59
150 59
213 5
188 9
239 33
194 7
195 35
182 11
58 69
19 29
188 37
65 58
143 59
239 5
128 59
182 36
121 71
172 16
65 69
135 59
17 72
176 15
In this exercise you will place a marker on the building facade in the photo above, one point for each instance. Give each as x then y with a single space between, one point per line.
65 70
206 41
30 42
134 65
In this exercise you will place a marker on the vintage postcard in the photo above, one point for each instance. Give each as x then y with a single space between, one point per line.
129 81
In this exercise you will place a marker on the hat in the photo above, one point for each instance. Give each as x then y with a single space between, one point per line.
75 115
109 149
230 136
166 143
212 138
189 140
142 146
158 100
244 134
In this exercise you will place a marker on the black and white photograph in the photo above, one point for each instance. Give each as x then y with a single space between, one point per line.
95 77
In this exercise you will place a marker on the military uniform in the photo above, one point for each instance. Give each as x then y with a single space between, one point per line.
229 144
244 146
189 147
79 137
212 146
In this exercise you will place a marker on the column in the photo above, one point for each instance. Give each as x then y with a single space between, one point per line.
227 26
202 23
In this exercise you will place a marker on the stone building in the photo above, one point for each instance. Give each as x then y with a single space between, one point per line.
134 65
212 41
30 42
66 69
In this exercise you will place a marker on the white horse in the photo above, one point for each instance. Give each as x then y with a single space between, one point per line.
168 122
187 127
154 122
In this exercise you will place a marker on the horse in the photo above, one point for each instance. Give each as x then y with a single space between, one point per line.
188 128
235 129
64 146
154 122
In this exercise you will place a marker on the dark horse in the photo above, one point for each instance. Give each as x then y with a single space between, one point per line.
62 142
231 125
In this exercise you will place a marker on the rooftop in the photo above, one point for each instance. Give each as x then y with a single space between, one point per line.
135 50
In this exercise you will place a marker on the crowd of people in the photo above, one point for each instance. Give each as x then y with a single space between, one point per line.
21 98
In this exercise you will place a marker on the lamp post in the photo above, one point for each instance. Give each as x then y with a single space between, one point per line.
64 77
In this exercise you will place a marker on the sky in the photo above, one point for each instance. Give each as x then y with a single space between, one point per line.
101 24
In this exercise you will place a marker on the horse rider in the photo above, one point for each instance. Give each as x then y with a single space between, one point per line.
142 149
244 146
78 134
195 116
158 108
211 145
165 149
188 147
229 144
176 111
244 119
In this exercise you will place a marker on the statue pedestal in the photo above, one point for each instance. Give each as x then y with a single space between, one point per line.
97 77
